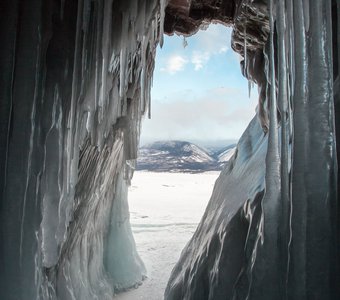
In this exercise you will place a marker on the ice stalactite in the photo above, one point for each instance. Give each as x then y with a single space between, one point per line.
264 250
285 153
250 43
75 85
313 203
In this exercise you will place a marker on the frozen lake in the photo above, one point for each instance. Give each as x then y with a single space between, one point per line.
165 211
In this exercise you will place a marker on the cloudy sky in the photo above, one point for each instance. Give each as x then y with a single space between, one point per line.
198 91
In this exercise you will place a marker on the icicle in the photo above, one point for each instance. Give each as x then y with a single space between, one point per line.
273 143
131 68
297 274
149 99
122 72
107 21
270 206
98 59
156 29
246 60
245 52
249 87
283 105
306 13
123 56
149 110
319 159
161 23
184 42
71 124
290 47
143 73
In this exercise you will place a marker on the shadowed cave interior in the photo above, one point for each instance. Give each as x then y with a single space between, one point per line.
74 86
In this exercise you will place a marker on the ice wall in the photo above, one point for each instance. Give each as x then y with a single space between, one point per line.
270 230
75 83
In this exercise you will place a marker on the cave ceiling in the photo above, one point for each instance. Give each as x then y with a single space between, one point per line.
248 18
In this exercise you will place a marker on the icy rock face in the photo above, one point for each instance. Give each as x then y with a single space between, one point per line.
270 230
75 83
211 261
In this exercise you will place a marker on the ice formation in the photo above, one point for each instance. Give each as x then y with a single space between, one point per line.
75 83
74 86
270 230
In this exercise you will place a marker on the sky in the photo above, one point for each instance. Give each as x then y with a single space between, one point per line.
198 93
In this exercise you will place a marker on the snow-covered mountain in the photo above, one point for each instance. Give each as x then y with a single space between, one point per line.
222 155
181 156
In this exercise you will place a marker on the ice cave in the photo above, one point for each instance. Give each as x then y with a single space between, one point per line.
74 87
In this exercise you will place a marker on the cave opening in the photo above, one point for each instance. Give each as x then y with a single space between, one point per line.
200 105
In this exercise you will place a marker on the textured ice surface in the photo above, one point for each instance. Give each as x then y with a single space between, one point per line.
269 231
75 82
211 261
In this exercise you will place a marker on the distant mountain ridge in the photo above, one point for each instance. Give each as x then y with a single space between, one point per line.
182 156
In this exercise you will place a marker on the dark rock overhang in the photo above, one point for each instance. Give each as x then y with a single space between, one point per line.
187 16
249 19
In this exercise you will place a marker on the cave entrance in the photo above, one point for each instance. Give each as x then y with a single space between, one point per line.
200 108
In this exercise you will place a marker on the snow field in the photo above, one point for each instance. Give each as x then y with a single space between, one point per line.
165 209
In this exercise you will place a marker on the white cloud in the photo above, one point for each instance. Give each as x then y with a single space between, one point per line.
207 43
212 41
220 113
175 64
215 39
223 49
199 59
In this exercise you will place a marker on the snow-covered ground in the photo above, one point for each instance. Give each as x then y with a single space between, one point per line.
165 210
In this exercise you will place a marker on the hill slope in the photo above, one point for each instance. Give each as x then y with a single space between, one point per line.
180 156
